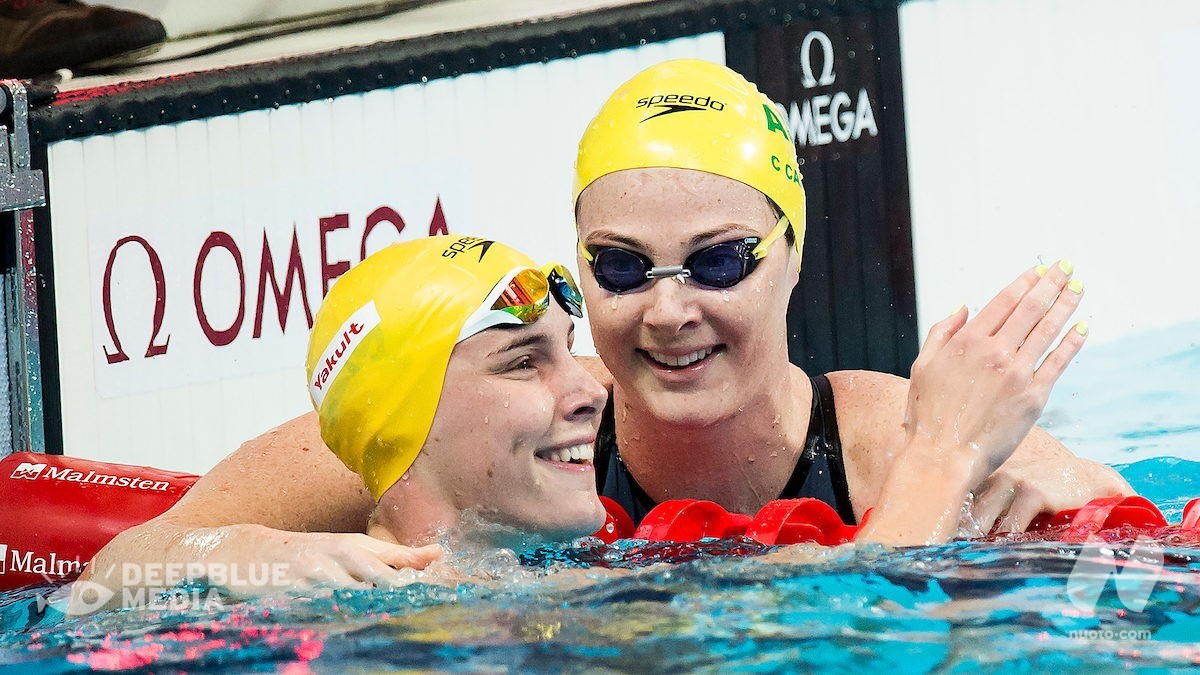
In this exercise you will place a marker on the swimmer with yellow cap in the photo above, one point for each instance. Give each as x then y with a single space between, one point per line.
441 372
687 196
686 181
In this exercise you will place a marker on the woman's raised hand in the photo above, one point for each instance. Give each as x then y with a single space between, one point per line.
977 389
979 386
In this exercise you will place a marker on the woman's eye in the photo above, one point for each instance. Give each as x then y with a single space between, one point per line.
523 363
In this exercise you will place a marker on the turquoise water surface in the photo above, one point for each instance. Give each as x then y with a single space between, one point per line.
734 605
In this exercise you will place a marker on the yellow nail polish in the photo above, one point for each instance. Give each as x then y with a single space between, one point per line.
1081 328
1041 270
1066 266
956 310
1075 285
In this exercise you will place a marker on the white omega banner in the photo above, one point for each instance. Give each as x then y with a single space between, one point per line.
190 258
179 297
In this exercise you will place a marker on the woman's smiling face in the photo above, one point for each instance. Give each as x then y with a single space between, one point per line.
685 352
512 438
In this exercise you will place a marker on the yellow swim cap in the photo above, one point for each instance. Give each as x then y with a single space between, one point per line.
381 342
691 114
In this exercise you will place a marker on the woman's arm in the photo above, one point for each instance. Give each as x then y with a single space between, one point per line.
280 498
968 415
285 479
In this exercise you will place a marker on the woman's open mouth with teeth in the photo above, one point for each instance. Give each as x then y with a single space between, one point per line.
679 361
576 454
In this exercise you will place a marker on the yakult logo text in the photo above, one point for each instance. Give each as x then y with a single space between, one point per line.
348 338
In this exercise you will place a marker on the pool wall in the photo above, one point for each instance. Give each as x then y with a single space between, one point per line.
1049 129
197 217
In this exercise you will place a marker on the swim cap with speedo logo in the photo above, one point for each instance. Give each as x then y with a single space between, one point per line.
382 339
692 114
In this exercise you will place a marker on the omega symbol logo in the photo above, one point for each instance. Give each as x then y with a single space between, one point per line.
806 64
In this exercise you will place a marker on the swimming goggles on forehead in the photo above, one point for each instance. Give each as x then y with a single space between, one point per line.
522 296
722 265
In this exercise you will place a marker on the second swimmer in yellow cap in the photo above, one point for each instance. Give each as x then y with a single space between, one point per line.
442 374
686 188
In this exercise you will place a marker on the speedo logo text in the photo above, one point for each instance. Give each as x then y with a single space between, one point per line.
666 104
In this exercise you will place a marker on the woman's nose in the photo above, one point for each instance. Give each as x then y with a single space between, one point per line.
671 304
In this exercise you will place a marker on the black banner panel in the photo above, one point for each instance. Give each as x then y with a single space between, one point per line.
837 80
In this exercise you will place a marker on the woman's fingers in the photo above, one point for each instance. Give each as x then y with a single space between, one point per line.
373 561
939 334
1027 505
993 315
328 573
1050 326
370 570
990 502
1057 361
355 560
1035 305
398 555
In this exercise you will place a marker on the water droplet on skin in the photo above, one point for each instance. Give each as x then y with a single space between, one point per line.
404 477
725 296
750 460
774 455
486 420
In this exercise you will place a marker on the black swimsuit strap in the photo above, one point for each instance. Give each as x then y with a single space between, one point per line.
822 450
613 479
805 462
833 450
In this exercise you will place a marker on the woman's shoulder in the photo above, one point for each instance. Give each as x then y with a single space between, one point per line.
870 416
867 403
866 389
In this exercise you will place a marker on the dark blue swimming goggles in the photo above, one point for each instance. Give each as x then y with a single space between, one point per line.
722 265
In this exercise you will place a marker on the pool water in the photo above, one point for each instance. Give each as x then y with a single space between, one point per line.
733 605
